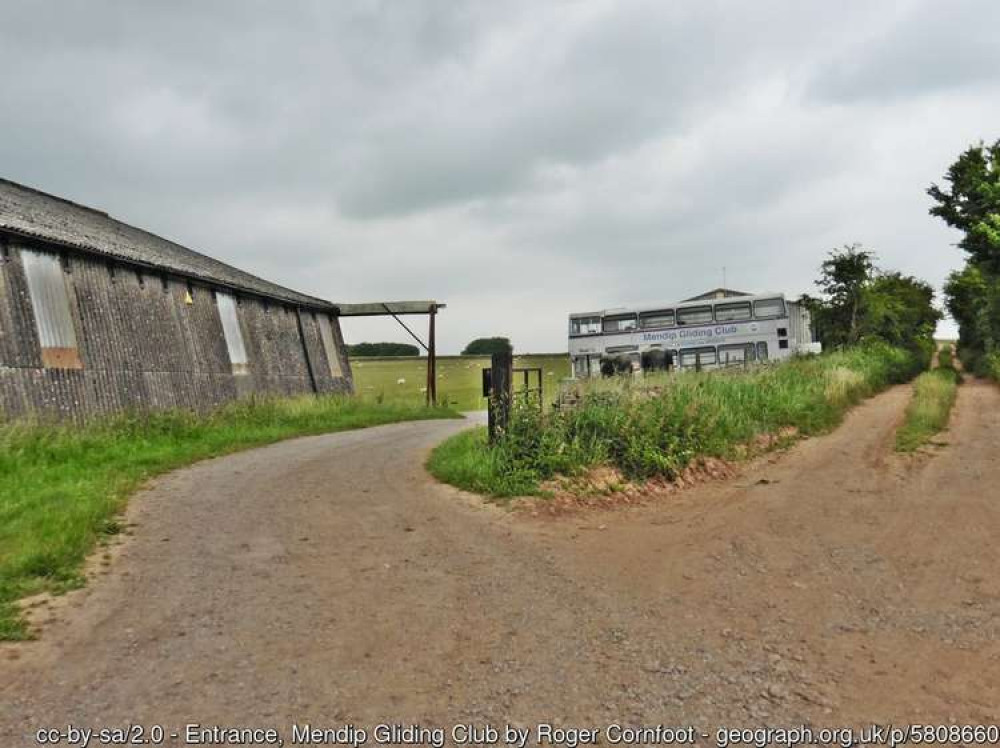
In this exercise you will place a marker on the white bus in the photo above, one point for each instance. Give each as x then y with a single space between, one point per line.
702 333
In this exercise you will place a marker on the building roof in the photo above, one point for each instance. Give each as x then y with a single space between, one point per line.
718 293
31 213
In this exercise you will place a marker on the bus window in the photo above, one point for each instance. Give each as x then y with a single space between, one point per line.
697 356
732 312
694 315
735 354
664 318
769 308
762 351
619 323
585 326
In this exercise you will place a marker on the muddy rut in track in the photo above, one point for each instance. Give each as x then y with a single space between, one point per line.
329 579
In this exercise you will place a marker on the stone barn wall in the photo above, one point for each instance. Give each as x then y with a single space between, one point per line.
147 340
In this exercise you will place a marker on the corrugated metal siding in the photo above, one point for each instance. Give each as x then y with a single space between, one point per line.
47 287
144 347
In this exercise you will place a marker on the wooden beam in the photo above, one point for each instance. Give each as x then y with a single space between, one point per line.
386 308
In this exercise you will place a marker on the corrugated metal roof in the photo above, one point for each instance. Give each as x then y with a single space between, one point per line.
30 212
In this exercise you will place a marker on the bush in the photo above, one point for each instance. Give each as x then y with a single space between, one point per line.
946 357
990 366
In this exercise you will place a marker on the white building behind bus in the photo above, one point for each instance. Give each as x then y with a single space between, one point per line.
720 328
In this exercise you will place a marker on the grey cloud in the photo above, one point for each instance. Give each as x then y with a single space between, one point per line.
600 152
921 49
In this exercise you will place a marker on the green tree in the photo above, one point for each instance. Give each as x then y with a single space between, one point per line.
861 302
487 347
843 277
971 203
899 309
361 350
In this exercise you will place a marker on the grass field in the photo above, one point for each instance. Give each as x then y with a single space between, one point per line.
61 485
459 378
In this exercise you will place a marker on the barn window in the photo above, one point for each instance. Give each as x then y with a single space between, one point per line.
50 303
330 344
233 333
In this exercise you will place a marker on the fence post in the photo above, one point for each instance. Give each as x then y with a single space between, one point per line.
501 393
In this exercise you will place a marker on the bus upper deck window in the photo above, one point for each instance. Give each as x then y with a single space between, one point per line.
732 312
585 326
664 318
619 323
694 315
766 308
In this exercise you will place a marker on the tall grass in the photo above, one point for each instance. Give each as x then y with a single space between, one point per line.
934 394
990 366
61 485
657 428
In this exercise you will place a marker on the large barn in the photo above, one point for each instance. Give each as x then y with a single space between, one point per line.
98 316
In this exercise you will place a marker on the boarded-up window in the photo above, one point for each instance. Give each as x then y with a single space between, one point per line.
50 303
330 344
234 335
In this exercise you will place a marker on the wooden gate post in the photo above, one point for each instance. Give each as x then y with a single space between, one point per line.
432 397
501 393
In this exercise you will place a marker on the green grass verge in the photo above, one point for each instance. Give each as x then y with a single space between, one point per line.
62 485
460 379
656 428
930 406
991 366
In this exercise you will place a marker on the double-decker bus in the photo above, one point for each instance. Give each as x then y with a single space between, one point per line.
701 333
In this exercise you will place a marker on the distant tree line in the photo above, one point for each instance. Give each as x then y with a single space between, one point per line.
970 202
487 347
361 350
860 302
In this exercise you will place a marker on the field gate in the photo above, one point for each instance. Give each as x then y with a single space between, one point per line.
498 389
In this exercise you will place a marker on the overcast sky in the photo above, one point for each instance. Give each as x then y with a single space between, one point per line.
516 160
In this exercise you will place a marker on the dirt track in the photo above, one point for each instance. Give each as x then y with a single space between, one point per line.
329 580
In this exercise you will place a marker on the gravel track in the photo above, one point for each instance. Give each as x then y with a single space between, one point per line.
329 579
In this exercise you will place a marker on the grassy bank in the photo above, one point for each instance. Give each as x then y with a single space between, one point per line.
656 428
61 485
460 383
930 406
